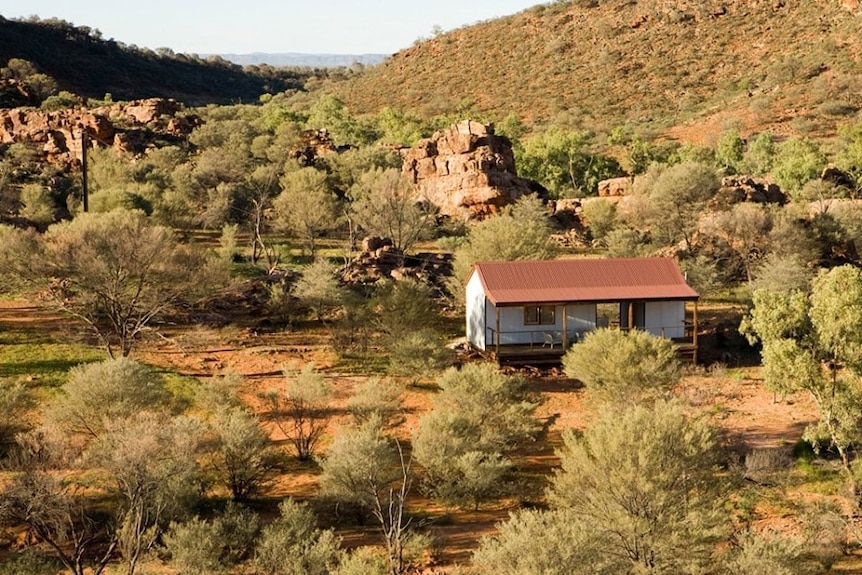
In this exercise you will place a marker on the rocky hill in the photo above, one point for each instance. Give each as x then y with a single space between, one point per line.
687 68
83 62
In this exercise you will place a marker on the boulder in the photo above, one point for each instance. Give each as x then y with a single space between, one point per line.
374 243
379 260
466 171
150 110
616 187
838 177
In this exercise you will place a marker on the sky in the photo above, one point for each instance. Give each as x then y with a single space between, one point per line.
240 27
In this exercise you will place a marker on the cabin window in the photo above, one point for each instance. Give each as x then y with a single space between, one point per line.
540 315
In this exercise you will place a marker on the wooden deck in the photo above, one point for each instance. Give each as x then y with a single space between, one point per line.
537 354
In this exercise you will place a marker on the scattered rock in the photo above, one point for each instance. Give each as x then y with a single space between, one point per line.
315 144
736 189
380 260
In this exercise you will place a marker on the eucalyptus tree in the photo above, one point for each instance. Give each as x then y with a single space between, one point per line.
306 206
114 271
521 231
677 196
561 161
383 203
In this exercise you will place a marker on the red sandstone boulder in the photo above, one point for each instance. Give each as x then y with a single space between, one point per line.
466 171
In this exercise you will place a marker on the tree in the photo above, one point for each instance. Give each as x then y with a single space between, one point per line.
797 162
641 367
678 196
419 353
55 510
318 288
38 204
293 545
403 307
100 393
849 157
729 150
330 114
301 410
811 343
520 232
263 182
477 417
565 547
601 217
114 271
745 228
347 169
558 159
644 482
383 203
367 468
376 398
244 458
306 206
782 273
759 155
151 463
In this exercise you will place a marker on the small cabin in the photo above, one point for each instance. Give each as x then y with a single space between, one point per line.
536 309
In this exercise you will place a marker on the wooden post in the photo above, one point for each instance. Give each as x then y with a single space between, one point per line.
631 305
85 201
497 330
565 327
694 334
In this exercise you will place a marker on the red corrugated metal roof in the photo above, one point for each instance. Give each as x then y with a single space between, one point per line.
587 280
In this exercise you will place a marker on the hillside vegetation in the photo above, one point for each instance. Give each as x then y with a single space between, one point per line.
687 68
84 63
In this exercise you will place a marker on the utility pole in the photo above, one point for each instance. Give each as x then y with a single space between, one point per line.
84 144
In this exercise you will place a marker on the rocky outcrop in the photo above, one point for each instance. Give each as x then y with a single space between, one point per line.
59 134
315 144
736 189
838 177
380 260
149 111
616 187
466 171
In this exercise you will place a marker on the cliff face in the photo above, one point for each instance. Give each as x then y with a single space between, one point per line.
466 171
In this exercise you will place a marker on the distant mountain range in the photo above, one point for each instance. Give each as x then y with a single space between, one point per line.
294 59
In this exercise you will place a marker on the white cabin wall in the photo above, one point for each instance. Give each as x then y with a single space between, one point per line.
665 318
581 319
476 313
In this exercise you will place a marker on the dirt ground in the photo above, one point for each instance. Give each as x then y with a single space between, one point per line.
734 395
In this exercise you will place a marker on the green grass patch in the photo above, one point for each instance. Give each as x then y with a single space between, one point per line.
363 363
39 358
